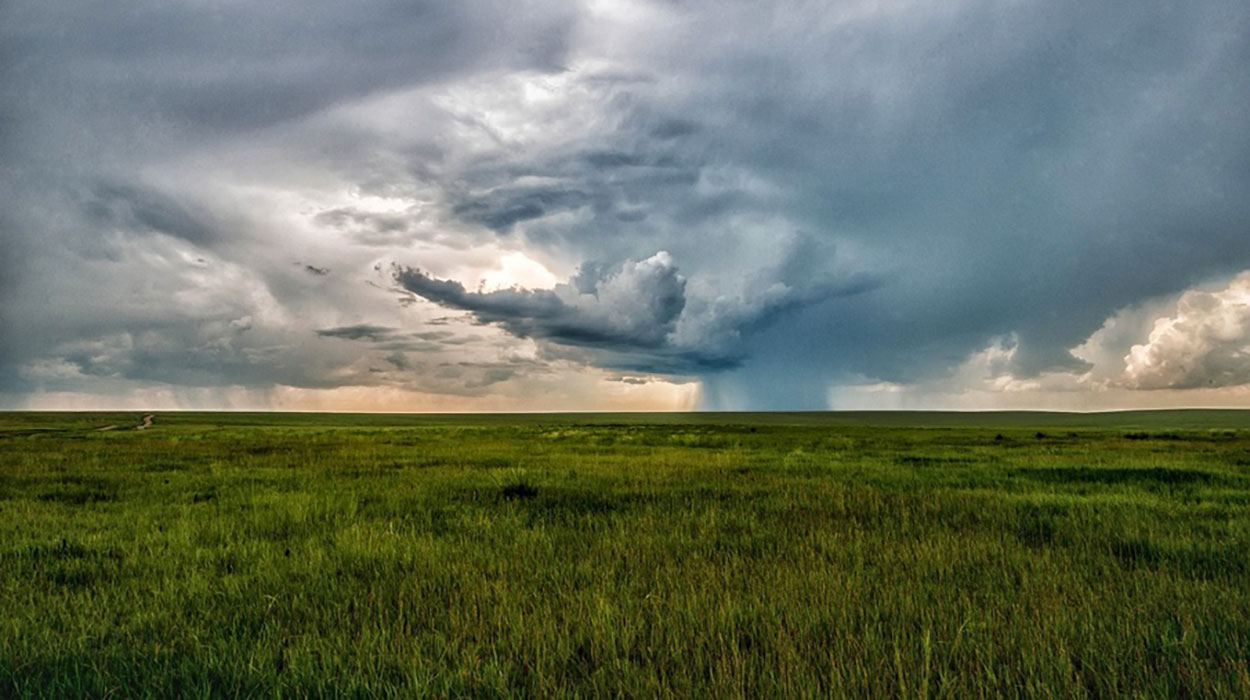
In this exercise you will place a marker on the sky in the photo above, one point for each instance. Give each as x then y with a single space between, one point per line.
624 205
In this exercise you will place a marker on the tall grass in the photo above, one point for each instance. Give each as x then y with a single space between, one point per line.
536 556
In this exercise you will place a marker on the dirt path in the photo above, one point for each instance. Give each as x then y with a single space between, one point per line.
143 425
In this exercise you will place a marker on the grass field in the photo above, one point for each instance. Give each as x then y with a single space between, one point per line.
679 555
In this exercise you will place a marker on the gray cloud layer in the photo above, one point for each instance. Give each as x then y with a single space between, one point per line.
857 190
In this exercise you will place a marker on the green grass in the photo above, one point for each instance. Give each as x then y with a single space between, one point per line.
678 555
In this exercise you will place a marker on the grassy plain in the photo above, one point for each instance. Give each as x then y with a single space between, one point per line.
679 555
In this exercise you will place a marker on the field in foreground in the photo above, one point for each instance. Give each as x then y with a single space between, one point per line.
677 555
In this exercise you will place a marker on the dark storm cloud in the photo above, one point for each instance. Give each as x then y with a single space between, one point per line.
1026 168
138 209
634 317
618 183
249 65
630 327
399 361
360 332
635 306
503 208
396 339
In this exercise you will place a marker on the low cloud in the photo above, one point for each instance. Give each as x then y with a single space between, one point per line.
387 338
359 332
635 306
1186 349
638 316
1205 343
489 377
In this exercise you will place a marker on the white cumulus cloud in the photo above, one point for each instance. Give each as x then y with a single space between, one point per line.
1205 343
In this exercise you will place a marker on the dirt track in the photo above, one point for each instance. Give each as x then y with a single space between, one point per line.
144 425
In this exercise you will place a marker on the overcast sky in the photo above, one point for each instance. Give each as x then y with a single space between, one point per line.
624 205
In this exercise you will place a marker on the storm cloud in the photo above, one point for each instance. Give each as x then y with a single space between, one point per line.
634 306
782 203
634 316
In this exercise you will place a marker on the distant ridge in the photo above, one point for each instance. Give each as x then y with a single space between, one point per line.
1194 419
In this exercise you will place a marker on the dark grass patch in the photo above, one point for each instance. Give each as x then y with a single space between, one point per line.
78 496
573 507
1231 498
519 491
1037 526
1159 436
62 550
403 441
27 432
932 461
226 564
66 563
257 450
1240 459
1111 476
548 504
398 464
75 577
1204 561
166 467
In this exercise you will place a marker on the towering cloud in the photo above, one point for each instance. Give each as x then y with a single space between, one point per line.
1205 343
